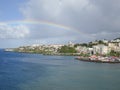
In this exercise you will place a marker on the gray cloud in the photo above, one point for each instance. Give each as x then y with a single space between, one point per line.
95 19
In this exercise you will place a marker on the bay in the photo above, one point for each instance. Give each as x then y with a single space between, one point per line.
22 71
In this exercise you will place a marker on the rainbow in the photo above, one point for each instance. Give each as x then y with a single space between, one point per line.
36 22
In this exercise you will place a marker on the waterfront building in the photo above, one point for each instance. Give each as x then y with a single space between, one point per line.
90 51
100 49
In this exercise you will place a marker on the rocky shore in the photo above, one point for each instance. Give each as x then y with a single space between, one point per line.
99 59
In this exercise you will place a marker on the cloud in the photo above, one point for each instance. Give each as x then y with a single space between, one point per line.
13 31
94 19
52 10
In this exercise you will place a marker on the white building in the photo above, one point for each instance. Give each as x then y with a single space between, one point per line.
70 44
105 41
35 45
115 40
90 51
100 49
114 46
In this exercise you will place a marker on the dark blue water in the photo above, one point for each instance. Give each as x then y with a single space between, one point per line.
20 71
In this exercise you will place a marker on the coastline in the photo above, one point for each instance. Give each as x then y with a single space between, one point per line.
81 58
105 60
52 54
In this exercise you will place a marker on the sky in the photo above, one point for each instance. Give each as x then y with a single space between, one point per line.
26 22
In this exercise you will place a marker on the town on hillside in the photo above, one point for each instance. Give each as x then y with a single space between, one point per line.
97 47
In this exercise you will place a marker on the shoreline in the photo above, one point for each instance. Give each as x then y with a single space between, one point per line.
81 58
86 59
51 54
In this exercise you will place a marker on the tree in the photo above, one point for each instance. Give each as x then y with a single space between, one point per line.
76 45
113 53
67 49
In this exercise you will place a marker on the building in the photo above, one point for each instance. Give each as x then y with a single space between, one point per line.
105 41
90 51
70 44
115 46
100 49
81 49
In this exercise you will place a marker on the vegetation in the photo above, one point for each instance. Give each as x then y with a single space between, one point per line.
67 49
76 45
113 53
84 44
117 38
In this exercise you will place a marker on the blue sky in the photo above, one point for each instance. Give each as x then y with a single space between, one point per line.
86 20
9 10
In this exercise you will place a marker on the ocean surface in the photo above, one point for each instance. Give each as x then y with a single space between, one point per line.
21 71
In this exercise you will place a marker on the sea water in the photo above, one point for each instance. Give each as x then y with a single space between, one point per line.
22 71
